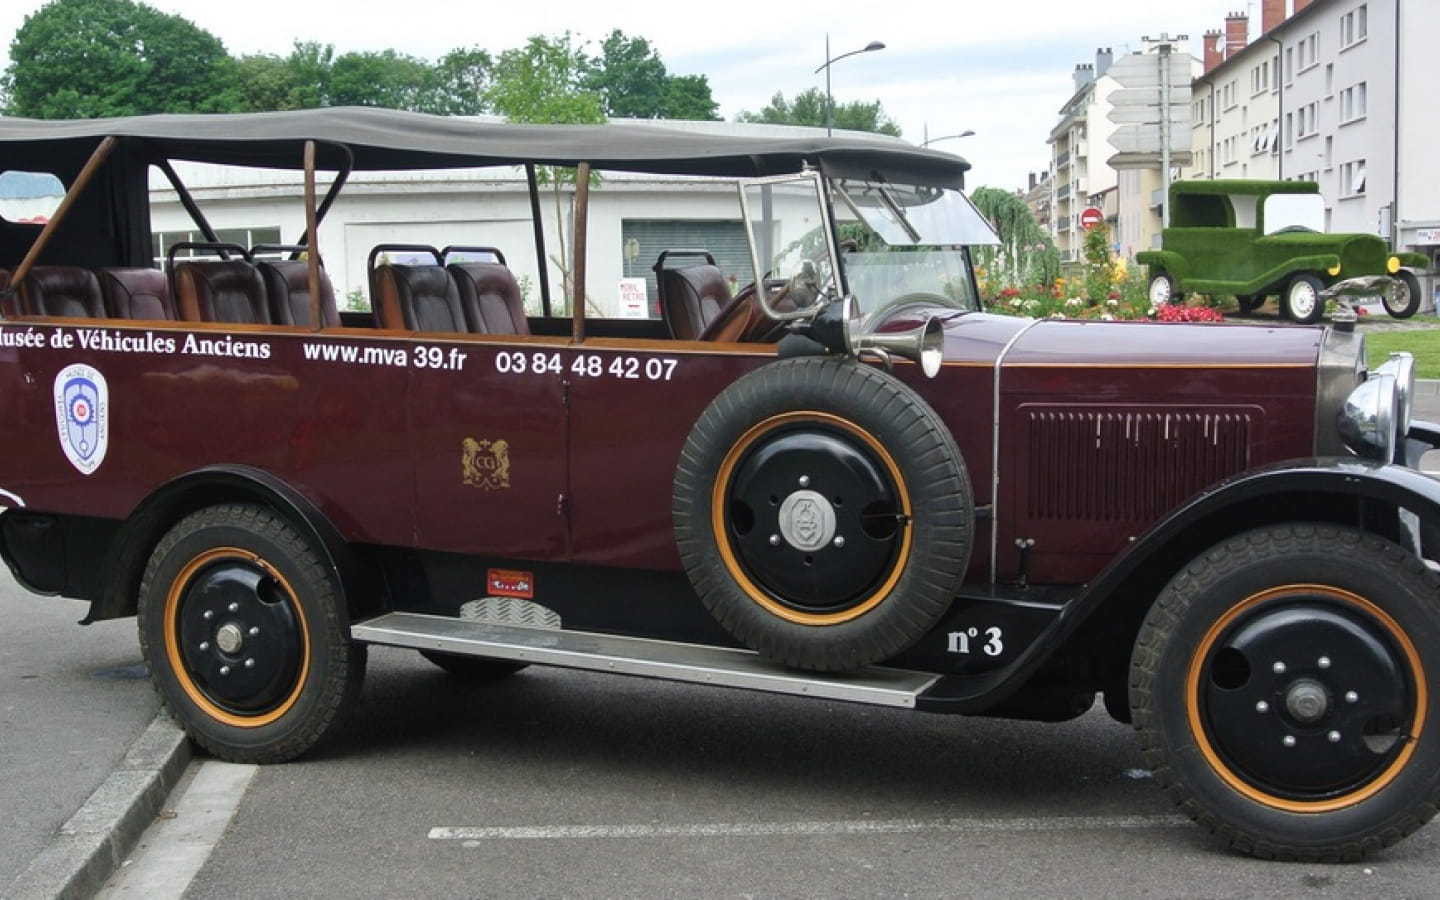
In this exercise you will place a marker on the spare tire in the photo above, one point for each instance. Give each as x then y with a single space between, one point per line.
823 513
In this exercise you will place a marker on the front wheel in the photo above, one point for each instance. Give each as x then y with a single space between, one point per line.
1162 289
1302 302
1403 300
1280 692
245 635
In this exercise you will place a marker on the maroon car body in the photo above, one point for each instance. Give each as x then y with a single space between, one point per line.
1186 519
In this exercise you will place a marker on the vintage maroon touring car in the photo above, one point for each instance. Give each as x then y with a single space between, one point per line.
821 469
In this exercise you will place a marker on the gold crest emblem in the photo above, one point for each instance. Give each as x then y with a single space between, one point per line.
485 464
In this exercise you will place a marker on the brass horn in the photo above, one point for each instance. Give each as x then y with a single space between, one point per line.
923 344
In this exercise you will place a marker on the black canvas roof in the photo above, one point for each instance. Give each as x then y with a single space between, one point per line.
388 139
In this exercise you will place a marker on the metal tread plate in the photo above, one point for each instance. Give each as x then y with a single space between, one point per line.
697 663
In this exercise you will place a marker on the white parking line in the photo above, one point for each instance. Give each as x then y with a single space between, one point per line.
172 850
802 829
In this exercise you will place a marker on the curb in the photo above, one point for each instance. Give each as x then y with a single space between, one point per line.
1428 387
89 847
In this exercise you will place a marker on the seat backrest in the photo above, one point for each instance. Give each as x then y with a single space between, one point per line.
220 291
417 298
62 291
287 284
692 298
490 298
137 294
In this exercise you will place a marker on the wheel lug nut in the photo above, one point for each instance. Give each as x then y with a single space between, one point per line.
804 480
224 670
204 645
250 664
1289 740
254 630
208 614
1323 662
1334 737
774 540
234 607
1351 697
1278 668
839 540
1262 707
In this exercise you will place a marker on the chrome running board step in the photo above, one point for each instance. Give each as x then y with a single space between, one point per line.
639 656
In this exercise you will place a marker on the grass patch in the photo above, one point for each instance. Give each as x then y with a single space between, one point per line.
1424 343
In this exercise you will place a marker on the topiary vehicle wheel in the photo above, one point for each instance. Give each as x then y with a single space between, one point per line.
1403 300
823 513
1162 289
1301 301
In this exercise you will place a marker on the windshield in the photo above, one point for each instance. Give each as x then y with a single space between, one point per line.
790 237
905 244
1294 212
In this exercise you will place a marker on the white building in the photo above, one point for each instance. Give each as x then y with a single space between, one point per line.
1078 150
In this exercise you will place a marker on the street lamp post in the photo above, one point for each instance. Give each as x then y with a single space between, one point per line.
929 140
829 60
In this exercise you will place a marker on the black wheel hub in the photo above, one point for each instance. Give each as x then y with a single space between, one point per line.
1306 701
240 637
814 520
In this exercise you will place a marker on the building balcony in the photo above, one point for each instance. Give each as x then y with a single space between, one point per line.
1063 193
1062 160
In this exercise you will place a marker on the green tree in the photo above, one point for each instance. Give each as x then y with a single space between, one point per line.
388 79
263 82
688 97
459 83
1026 255
809 108
629 77
309 63
86 58
1099 266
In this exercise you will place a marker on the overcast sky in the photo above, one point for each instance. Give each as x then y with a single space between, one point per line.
1001 69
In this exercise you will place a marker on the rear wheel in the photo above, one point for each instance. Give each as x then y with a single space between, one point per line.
1403 300
245 635
1280 691
1302 302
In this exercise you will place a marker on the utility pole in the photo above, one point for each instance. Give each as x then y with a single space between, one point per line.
1163 47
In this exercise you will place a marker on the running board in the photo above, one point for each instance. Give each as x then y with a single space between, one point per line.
696 663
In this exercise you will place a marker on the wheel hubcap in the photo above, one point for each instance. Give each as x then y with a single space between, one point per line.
239 636
1302 299
814 521
1305 700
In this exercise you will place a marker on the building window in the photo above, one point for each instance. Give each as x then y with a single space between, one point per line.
1229 95
1307 53
162 241
1352 178
1260 78
1307 176
1306 120
1354 26
1352 103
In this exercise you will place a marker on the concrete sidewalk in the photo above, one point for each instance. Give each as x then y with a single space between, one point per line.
84 761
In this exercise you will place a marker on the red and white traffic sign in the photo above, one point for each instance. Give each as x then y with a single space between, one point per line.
1090 217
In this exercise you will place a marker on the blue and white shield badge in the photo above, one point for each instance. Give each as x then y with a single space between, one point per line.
82 415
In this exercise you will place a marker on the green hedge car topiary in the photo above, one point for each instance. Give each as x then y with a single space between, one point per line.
1254 239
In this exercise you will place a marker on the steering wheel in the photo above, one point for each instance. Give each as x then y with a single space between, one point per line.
802 293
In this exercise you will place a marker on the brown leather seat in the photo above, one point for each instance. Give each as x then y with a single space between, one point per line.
417 298
490 298
221 291
137 294
287 284
62 291
691 298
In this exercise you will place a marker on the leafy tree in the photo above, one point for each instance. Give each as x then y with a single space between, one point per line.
263 82
89 58
389 79
688 97
629 77
1025 254
309 63
809 108
459 83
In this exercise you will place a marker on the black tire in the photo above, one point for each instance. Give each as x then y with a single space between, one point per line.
1403 300
1301 301
245 635
799 440
1279 689
473 668
1162 289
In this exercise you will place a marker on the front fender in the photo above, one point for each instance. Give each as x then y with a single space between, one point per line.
1284 491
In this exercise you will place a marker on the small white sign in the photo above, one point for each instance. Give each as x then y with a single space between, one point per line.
82 416
634 304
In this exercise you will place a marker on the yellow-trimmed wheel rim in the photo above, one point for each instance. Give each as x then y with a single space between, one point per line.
812 518
1306 698
236 638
